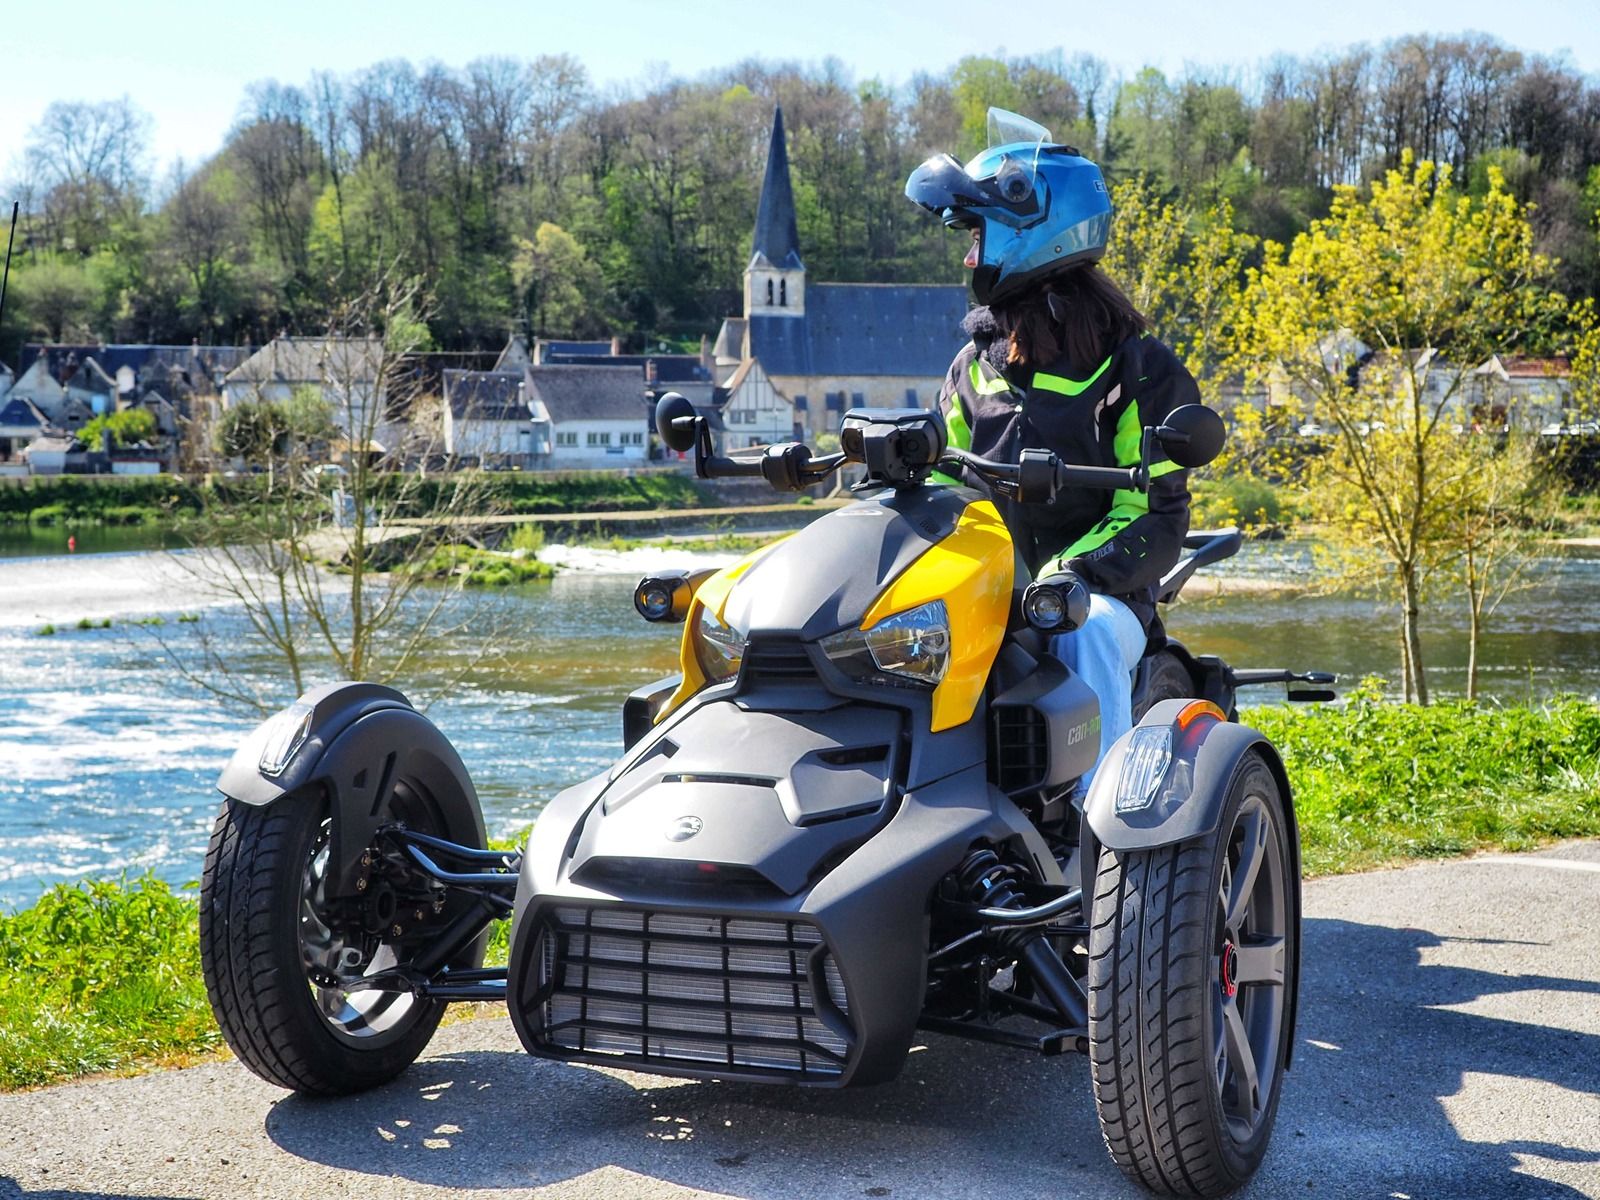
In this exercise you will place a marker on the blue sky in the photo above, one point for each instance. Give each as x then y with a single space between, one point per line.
187 63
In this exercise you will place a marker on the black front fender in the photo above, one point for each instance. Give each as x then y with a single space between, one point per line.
359 740
1206 759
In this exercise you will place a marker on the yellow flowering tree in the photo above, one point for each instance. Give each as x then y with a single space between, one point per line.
1374 319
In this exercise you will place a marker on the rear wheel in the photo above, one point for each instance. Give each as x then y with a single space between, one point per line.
1166 678
1189 986
278 955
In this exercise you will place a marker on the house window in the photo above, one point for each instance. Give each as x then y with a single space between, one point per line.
599 439
632 439
799 433
769 291
800 404
857 400
783 293
835 401
911 397
568 438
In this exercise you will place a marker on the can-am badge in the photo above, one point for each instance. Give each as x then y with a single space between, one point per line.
684 828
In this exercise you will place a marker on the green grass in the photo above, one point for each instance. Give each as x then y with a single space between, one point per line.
1379 783
100 977
483 568
105 976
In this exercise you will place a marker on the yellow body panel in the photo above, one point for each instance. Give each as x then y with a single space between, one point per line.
712 594
971 571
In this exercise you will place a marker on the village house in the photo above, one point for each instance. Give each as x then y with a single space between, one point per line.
343 372
600 416
803 353
487 418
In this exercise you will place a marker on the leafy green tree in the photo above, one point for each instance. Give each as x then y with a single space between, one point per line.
60 297
128 428
1432 282
563 289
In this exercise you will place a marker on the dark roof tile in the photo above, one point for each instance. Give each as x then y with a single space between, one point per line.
865 329
591 393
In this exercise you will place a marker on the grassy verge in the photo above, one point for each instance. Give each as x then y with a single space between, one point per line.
100 977
1377 783
106 976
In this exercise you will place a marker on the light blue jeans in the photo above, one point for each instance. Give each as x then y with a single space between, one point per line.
1104 653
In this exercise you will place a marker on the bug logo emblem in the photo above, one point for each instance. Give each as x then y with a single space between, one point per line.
684 828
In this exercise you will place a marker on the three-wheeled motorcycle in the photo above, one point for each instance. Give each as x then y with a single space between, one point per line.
856 813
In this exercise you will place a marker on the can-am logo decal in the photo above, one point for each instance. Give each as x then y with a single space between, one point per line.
684 828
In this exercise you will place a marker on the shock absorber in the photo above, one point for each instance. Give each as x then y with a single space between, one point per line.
991 882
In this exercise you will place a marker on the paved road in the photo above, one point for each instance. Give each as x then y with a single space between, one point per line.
1449 1047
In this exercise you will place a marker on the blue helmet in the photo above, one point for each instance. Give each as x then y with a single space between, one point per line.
1038 207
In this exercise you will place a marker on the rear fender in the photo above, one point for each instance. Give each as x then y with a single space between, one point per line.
360 738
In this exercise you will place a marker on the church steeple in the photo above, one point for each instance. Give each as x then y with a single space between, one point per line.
776 240
775 280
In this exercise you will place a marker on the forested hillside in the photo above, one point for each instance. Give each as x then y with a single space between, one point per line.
526 198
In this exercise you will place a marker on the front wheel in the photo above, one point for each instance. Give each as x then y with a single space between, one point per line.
278 955
1190 986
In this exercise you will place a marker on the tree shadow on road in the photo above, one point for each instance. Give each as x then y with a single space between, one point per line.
1388 1080
1364 1113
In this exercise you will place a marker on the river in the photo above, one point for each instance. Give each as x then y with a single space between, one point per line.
109 761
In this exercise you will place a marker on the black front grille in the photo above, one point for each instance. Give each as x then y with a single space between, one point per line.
1020 747
778 662
667 989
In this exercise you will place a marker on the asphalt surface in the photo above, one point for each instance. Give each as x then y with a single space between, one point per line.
1448 1047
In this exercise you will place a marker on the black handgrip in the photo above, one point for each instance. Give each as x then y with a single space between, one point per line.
1116 478
717 466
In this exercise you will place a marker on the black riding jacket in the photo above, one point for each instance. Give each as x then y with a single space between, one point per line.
1120 542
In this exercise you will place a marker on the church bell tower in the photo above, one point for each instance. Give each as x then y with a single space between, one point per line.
775 280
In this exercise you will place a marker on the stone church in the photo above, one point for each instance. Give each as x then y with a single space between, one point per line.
804 352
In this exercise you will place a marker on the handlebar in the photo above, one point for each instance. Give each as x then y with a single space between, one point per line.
1035 479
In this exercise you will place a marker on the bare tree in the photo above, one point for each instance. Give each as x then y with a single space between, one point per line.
331 569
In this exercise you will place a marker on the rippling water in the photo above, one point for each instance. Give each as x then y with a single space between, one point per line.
107 764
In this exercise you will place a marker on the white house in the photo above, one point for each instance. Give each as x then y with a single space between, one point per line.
38 386
599 416
343 371
487 416
754 411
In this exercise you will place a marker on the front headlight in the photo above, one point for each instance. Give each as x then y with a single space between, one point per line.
912 647
718 647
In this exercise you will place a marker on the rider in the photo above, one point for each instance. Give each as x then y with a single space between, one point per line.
1060 359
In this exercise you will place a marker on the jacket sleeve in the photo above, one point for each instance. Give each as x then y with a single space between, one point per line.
1141 538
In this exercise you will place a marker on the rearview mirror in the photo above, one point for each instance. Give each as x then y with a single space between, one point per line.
675 422
1192 435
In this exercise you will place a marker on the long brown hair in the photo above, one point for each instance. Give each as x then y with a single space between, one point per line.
1080 312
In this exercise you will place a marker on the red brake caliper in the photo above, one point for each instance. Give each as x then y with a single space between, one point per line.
1230 969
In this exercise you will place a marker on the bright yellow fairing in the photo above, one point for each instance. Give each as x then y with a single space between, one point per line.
971 571
712 594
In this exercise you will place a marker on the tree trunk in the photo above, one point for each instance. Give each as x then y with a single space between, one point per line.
1473 630
1417 682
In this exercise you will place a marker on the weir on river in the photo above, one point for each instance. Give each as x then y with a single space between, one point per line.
109 760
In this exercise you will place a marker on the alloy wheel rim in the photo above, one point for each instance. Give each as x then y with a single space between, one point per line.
329 956
1250 958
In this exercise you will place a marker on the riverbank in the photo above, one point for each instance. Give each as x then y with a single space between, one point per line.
105 976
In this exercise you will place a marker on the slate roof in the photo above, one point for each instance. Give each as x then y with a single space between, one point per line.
548 348
777 240
21 413
591 393
92 377
865 329
486 395
730 340
670 368
310 360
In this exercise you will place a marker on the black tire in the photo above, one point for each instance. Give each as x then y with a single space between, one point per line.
253 955
1167 1074
1166 678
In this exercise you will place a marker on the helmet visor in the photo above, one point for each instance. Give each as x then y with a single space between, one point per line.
942 184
